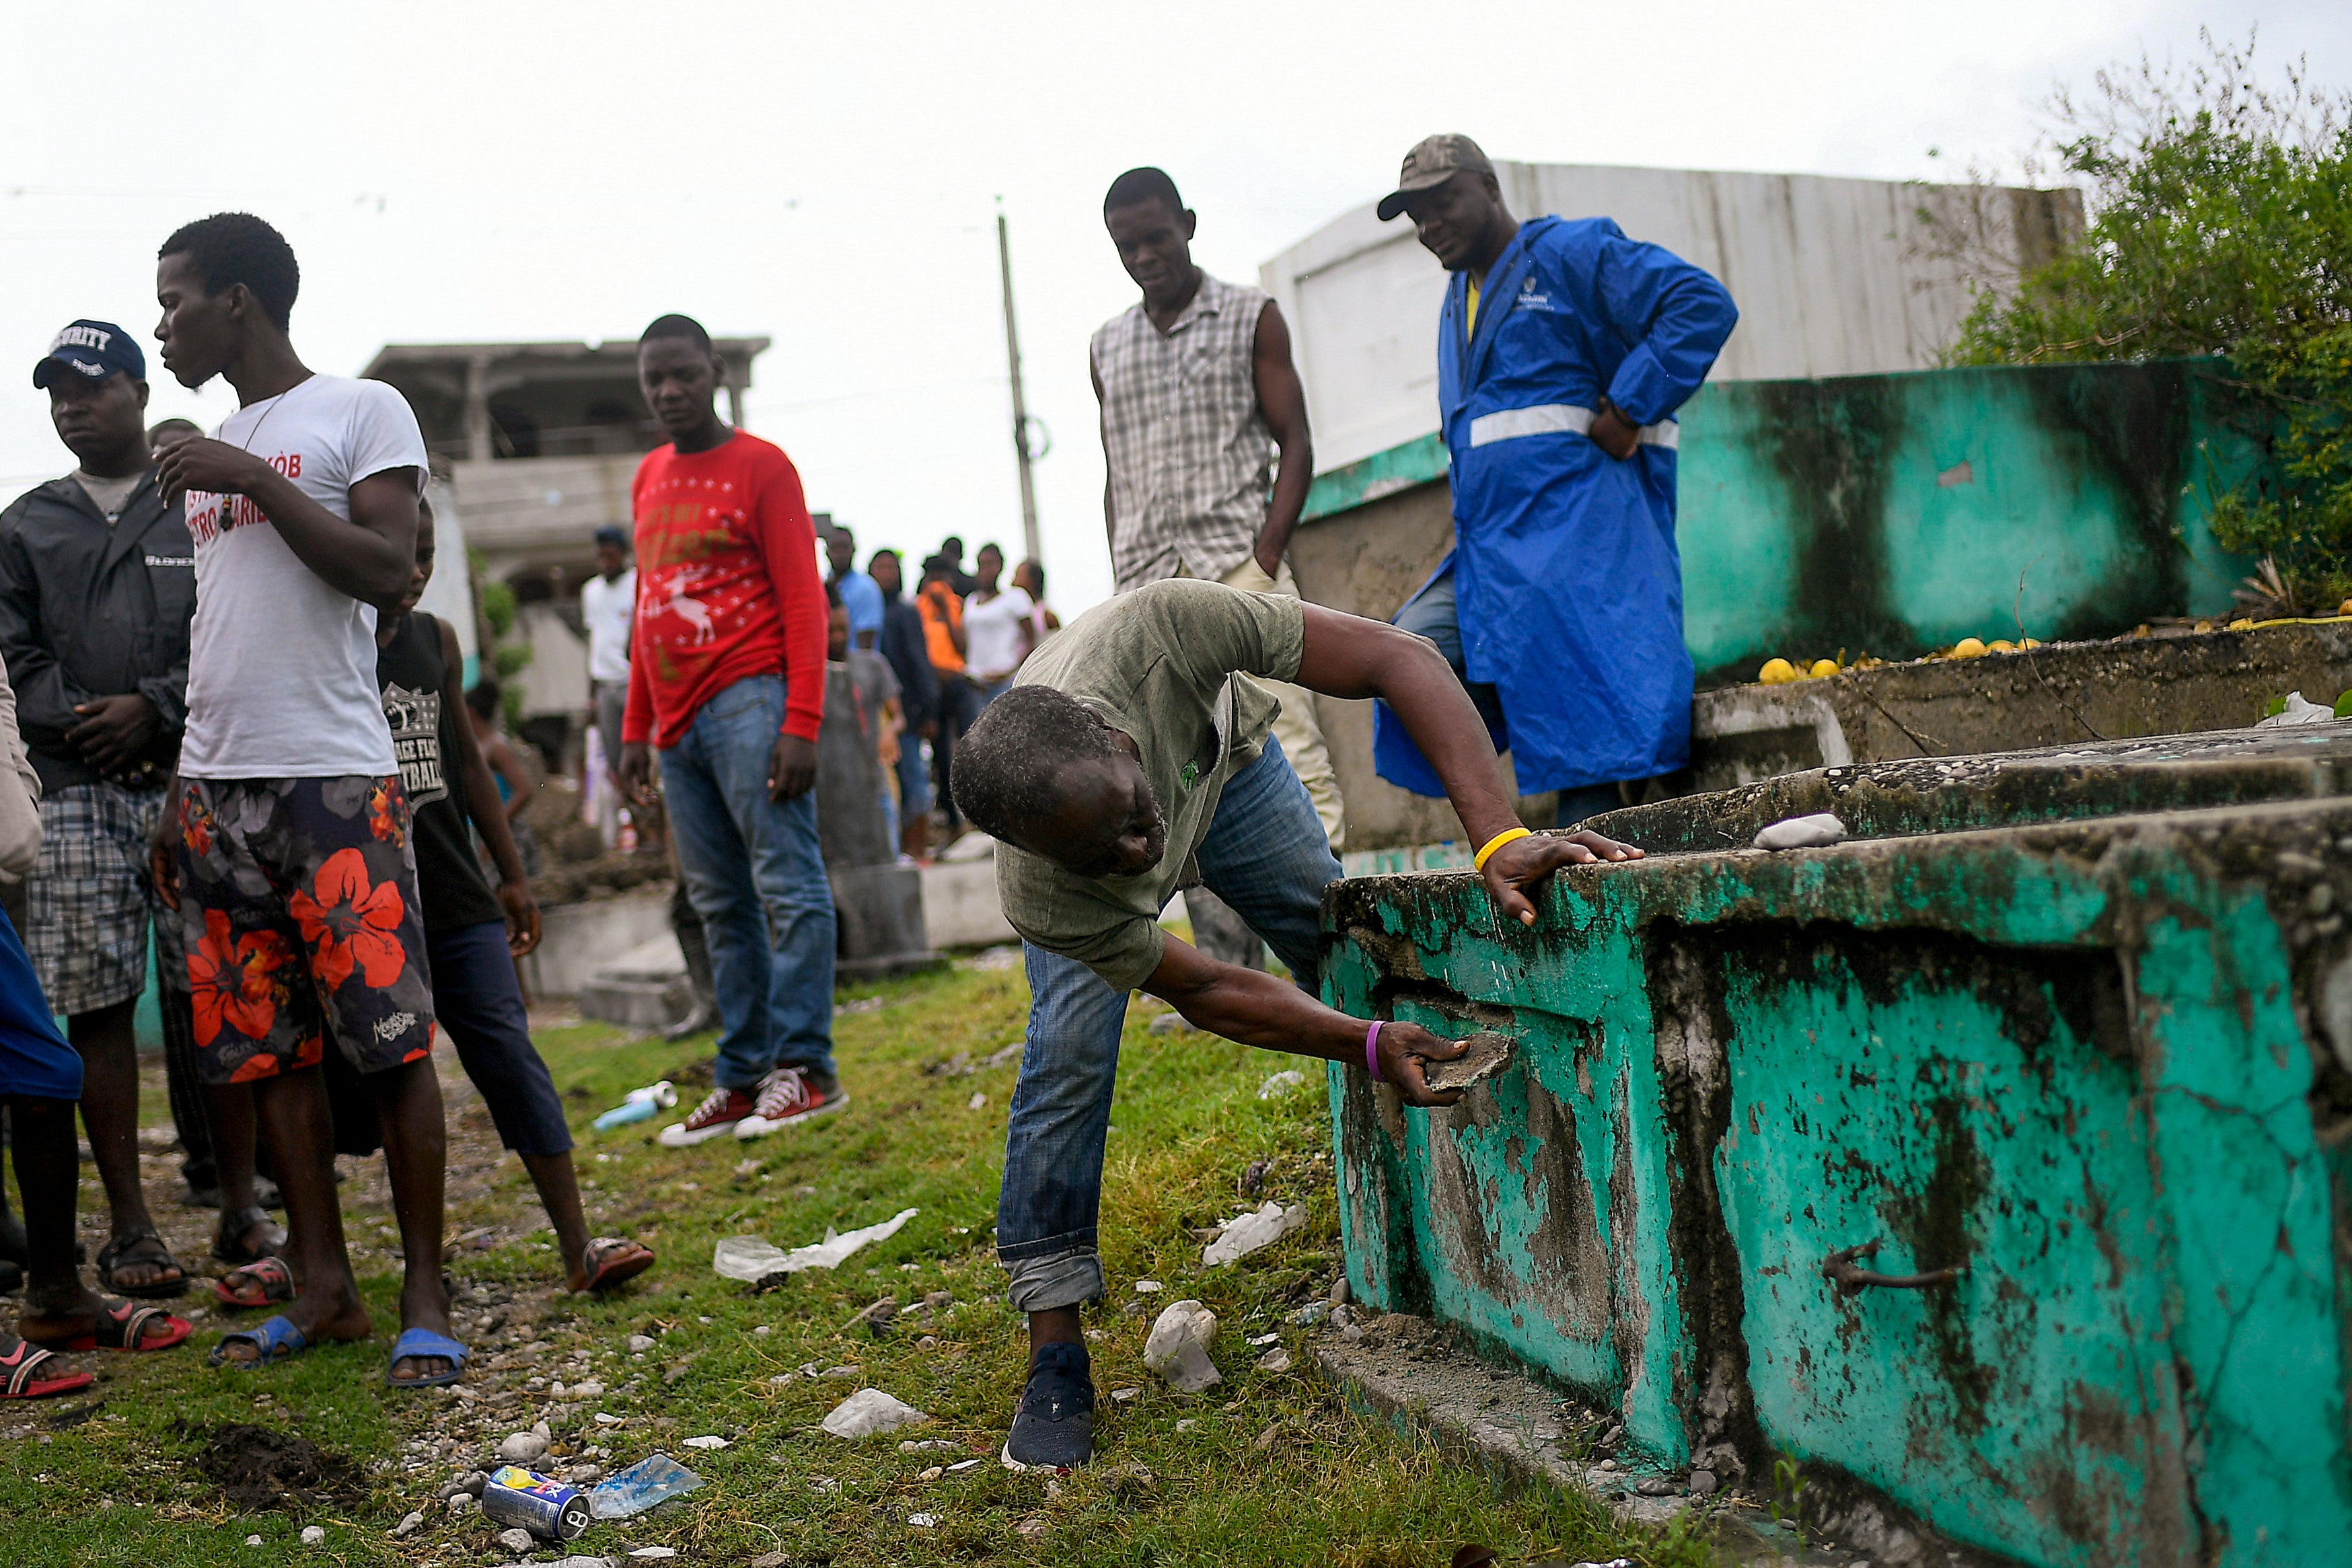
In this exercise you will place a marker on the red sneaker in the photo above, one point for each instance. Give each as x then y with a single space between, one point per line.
721 1112
788 1099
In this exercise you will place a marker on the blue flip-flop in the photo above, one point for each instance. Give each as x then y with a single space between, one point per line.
276 1339
417 1343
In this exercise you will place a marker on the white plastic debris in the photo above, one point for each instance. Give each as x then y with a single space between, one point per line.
313 1535
2297 711
1252 1232
711 1442
1276 1360
869 1411
1288 1079
965 1465
977 1102
1802 832
922 1521
1148 1287
656 1553
751 1258
1178 1348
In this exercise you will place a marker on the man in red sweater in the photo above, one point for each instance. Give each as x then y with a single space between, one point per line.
727 686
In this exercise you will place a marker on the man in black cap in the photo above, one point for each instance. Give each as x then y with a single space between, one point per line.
96 588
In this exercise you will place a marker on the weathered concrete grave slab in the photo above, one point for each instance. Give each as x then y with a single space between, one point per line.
2062 695
2085 1084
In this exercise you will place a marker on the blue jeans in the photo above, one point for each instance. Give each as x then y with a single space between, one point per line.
1434 613
756 875
1266 855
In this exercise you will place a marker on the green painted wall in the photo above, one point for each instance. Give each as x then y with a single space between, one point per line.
2084 1061
1898 513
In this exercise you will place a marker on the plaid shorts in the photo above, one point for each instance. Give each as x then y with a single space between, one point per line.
298 903
90 900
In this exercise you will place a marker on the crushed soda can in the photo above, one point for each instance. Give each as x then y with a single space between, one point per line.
540 1504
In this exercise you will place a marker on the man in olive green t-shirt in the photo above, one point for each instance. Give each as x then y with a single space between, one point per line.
1133 757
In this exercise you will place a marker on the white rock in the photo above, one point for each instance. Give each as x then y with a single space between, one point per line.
253 1541
464 1502
313 1535
518 1540
869 1411
1276 1360
922 1521
639 1342
1121 1396
523 1448
591 1389
1187 1424
928 1445
713 1442
1148 1287
1178 1348
1253 1232
977 1102
1802 832
1281 1083
408 1525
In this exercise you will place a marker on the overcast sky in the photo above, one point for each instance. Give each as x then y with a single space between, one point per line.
827 175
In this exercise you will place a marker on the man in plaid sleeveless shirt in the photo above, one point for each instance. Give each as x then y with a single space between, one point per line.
1198 394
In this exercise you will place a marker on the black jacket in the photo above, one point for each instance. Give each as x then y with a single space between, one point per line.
902 643
88 610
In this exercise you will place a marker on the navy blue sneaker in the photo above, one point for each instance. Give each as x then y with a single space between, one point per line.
1055 1429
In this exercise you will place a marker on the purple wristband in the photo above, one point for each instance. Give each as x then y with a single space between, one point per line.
1372 1051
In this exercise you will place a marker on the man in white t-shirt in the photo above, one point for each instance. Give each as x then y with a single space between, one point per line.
290 859
608 607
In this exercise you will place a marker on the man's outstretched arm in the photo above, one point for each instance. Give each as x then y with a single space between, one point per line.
1348 656
1257 1008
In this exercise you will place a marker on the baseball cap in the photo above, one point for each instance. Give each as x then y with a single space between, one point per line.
1434 160
612 534
93 349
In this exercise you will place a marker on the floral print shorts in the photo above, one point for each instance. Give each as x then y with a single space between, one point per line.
298 899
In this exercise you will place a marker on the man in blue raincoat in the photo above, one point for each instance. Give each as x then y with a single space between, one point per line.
1563 349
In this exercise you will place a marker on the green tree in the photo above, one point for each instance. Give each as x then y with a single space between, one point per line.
2220 222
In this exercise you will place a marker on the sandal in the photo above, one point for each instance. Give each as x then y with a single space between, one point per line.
140 1247
20 1372
275 1280
277 1339
122 1325
613 1259
228 1242
415 1344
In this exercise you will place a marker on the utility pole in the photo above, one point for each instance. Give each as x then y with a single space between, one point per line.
1021 420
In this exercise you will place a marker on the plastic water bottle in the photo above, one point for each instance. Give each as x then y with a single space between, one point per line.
639 1106
651 1480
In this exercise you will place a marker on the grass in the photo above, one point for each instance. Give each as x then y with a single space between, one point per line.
1267 1468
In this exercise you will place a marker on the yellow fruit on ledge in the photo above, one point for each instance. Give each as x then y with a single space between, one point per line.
1823 667
1968 648
1776 672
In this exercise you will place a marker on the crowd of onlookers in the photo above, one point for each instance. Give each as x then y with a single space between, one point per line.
949 651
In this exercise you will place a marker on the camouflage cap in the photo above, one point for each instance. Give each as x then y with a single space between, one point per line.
1434 160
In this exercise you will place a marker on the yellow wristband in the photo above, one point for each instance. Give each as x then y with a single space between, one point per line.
1496 843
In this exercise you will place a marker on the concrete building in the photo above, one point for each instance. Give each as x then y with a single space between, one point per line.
1834 278
538 444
